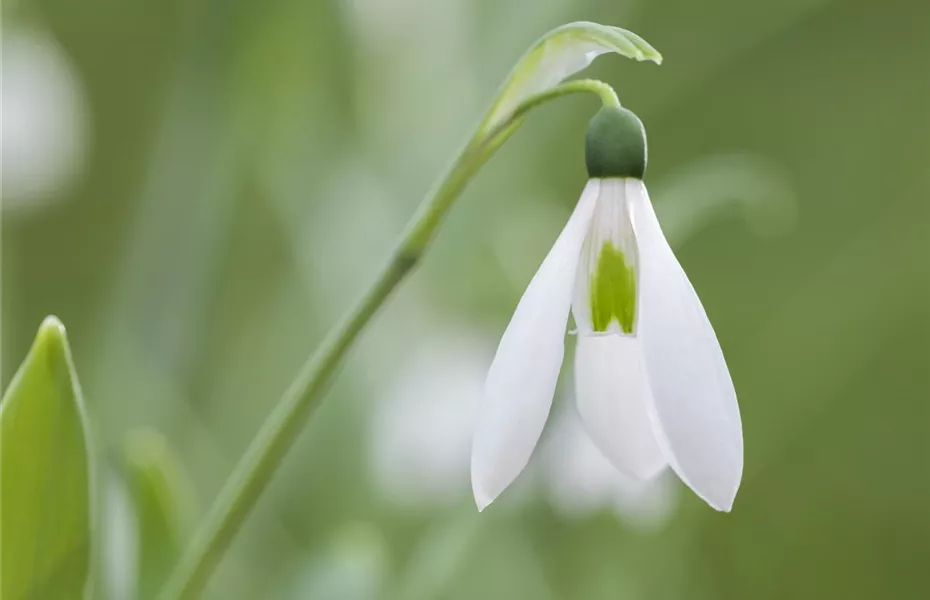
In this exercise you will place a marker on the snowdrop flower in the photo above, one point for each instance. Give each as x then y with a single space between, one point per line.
652 386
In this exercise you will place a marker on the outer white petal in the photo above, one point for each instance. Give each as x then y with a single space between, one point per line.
613 399
695 409
522 378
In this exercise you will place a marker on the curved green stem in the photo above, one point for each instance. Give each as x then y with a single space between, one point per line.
578 86
262 458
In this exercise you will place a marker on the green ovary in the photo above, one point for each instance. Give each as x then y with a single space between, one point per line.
613 291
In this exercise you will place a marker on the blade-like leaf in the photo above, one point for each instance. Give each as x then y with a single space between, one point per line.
160 499
559 54
45 522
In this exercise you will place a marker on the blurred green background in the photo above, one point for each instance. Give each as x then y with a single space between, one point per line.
198 189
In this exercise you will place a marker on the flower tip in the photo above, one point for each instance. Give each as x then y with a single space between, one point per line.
482 500
722 504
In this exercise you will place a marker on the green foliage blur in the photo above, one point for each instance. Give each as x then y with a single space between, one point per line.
235 172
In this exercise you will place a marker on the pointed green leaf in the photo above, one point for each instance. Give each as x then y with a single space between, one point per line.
45 480
559 54
160 499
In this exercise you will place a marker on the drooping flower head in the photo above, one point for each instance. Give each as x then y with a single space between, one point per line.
652 386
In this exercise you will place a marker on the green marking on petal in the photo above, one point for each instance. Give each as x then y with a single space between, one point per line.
613 291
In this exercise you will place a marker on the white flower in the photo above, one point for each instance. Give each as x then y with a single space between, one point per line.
652 386
42 138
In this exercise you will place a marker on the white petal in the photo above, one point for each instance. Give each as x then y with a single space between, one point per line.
696 412
613 399
522 378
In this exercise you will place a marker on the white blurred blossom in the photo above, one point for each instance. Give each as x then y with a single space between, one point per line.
120 541
43 132
422 424
580 481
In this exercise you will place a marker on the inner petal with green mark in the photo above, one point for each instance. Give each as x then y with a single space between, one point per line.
612 291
